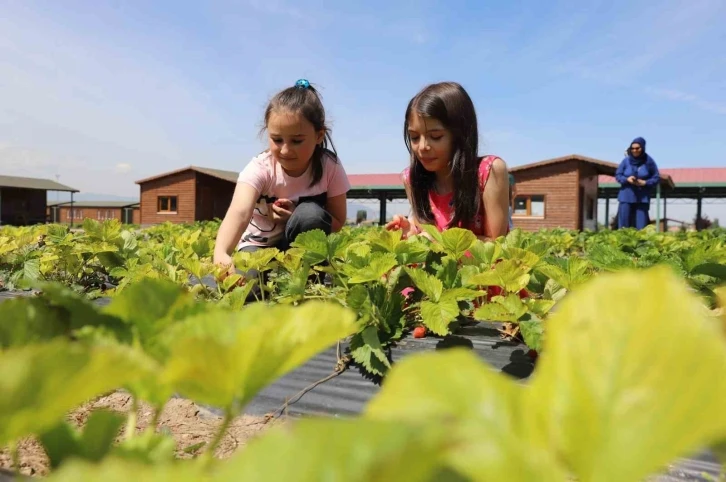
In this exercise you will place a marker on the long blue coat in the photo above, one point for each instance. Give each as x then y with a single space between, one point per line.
645 169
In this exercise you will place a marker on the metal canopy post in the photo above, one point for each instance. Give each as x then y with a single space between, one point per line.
382 199
657 208
607 210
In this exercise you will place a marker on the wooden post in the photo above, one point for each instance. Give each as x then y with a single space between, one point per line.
657 208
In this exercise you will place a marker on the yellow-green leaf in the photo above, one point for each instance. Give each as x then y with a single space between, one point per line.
117 469
505 274
331 450
457 241
486 413
438 316
42 382
429 284
628 383
225 358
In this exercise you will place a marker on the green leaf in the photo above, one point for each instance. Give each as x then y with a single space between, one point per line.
532 332
713 270
434 232
387 241
457 241
431 286
315 244
485 413
148 447
370 338
163 303
255 346
365 354
379 265
461 294
410 252
43 382
331 450
118 469
64 441
510 309
485 253
607 391
438 316
506 275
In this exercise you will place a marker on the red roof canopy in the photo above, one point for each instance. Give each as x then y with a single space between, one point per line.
687 175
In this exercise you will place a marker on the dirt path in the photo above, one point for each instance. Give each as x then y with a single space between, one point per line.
188 424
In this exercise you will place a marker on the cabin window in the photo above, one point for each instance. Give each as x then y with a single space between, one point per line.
529 206
166 204
75 214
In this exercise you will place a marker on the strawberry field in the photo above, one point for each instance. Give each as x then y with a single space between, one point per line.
627 327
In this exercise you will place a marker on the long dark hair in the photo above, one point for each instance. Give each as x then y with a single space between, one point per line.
449 103
303 98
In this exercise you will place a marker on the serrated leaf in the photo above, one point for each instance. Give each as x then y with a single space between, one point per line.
532 332
374 271
460 294
607 391
505 274
256 346
315 244
363 355
438 316
370 338
350 450
485 413
386 241
494 311
42 382
433 232
431 286
457 241
410 252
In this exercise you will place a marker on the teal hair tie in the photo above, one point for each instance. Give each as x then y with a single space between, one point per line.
302 84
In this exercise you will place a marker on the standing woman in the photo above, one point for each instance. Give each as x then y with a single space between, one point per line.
637 174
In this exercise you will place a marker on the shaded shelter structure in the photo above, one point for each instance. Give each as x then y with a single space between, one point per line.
23 200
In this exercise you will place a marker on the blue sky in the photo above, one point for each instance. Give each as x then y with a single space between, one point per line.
106 93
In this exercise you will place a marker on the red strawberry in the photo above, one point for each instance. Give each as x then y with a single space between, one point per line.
532 354
419 332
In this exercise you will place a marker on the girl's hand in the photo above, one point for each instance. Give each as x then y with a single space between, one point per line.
282 209
225 260
402 223
640 182
631 179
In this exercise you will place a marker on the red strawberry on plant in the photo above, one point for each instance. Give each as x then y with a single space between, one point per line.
419 332
532 354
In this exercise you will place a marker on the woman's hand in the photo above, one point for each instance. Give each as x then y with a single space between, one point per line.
640 182
282 209
631 180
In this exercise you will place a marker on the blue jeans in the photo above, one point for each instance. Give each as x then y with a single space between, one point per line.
633 215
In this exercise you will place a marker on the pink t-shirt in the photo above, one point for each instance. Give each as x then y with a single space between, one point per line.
272 183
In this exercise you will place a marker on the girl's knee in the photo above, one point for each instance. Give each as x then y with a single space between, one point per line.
308 216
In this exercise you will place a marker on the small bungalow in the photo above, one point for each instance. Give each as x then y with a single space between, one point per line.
127 212
23 200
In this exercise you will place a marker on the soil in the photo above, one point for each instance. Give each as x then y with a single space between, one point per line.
188 424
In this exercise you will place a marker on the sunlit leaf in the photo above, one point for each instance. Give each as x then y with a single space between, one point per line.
315 244
457 241
117 469
378 266
350 450
485 413
223 359
40 383
438 315
623 385
431 286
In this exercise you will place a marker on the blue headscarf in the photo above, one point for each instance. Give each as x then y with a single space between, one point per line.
643 156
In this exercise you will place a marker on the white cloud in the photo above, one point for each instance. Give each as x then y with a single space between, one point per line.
123 167
680 96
